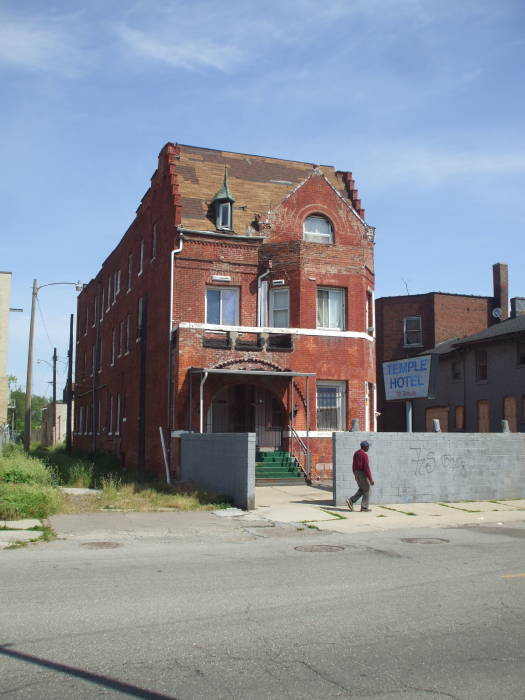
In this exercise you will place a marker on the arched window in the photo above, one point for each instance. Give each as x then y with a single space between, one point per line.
317 229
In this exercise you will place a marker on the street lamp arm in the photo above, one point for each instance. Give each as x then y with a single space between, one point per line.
78 285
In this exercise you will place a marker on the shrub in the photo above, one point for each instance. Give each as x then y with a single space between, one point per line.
17 467
28 501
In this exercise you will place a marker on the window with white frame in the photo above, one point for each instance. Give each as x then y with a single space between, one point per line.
280 307
102 303
117 282
140 318
141 258
130 270
108 300
95 302
412 333
113 345
317 229
222 305
331 405
224 219
330 308
154 242
128 333
121 339
111 414
117 418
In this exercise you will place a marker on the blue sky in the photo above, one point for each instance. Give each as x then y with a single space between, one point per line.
423 100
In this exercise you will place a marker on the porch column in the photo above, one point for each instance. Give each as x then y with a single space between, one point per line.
292 420
190 403
308 465
201 402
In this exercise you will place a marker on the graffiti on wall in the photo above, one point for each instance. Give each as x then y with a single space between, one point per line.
428 461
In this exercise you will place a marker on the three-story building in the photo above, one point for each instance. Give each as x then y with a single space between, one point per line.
241 299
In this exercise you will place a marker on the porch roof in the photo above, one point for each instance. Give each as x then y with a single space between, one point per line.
255 372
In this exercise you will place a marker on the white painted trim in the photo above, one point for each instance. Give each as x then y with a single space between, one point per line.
313 433
326 332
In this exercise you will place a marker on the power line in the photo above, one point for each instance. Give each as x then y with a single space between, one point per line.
43 322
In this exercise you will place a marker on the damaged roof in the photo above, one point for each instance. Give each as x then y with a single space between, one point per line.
257 183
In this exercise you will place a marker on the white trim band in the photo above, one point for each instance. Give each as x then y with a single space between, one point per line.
326 332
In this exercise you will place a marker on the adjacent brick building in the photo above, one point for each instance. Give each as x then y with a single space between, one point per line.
241 299
409 325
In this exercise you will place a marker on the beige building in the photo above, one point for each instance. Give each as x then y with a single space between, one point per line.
5 297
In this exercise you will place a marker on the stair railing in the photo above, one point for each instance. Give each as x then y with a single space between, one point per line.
306 469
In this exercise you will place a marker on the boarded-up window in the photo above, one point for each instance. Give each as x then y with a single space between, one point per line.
441 414
510 412
483 416
460 417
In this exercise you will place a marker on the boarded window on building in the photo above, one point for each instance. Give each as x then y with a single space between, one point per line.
510 412
483 416
481 365
441 414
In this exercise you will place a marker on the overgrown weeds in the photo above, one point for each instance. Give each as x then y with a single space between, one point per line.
29 486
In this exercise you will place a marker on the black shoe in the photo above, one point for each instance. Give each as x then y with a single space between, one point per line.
366 510
350 504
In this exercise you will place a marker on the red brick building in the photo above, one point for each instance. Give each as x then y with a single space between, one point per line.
239 300
409 325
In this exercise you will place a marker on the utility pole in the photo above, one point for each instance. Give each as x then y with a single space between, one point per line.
54 429
69 387
29 379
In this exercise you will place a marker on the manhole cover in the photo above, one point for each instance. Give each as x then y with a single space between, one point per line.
101 545
318 548
424 540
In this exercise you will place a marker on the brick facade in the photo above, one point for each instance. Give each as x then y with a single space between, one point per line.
130 381
443 317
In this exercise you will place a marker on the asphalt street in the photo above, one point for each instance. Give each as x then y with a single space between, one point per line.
241 612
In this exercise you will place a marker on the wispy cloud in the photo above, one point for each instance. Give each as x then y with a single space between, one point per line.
41 43
173 50
428 167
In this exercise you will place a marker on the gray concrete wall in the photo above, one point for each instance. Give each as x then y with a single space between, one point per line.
429 467
223 463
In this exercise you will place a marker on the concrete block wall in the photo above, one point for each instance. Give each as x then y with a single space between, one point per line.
430 467
223 463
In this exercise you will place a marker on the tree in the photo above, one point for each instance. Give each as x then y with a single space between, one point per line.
17 407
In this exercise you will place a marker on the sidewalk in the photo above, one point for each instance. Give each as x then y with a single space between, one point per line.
289 506
313 504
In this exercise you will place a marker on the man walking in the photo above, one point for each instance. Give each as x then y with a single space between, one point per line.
363 476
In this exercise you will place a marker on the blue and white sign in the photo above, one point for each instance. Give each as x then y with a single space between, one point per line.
407 379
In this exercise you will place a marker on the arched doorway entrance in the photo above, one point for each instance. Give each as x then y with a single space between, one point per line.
246 408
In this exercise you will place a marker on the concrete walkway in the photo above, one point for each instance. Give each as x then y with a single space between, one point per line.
313 504
16 531
290 506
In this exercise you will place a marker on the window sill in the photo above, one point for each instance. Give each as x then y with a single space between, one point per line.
413 345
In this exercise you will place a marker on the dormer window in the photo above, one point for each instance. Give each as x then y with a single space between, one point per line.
317 229
223 204
225 215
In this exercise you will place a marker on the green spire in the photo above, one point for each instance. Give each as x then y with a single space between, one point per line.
224 193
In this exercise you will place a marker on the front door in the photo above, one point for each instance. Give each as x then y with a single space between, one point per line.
244 408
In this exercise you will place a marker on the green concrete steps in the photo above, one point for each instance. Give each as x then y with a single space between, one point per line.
277 466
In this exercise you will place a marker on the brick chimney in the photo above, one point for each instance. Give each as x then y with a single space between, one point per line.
500 275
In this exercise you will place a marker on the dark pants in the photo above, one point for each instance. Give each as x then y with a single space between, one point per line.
363 490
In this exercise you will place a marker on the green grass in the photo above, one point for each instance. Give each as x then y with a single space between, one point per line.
29 486
22 500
